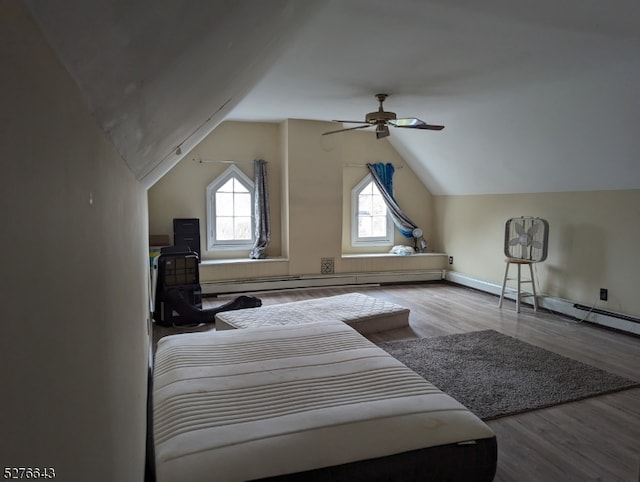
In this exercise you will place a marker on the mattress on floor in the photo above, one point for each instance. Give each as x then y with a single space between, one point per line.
303 399
365 314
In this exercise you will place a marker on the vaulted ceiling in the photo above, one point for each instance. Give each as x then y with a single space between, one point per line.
535 96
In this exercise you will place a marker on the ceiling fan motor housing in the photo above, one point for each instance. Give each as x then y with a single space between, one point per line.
527 238
373 117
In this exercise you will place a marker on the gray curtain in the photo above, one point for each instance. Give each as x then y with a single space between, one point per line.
260 210
383 177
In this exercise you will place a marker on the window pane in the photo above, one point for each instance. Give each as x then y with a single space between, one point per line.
238 186
227 186
242 204
379 208
224 228
365 204
224 204
364 226
243 228
379 226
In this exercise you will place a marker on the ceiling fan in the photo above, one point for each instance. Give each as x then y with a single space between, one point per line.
381 120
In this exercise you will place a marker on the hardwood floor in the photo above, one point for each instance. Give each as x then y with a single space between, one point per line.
597 439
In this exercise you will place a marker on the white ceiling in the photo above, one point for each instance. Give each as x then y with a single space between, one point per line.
535 96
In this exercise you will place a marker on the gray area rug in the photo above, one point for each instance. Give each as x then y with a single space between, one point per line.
495 375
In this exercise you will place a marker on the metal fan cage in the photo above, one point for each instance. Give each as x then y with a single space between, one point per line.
526 237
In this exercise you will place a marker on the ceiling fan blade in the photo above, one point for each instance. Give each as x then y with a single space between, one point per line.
349 122
430 127
414 123
406 122
343 130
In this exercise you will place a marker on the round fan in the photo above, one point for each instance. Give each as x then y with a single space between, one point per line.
419 244
382 119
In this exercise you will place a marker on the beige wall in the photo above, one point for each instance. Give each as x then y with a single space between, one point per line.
74 289
416 201
310 182
315 198
181 192
593 241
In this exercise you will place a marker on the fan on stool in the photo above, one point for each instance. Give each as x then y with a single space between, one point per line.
526 238
525 243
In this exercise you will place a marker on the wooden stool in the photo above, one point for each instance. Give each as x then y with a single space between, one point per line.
519 263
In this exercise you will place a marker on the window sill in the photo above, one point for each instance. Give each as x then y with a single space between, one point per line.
206 262
387 255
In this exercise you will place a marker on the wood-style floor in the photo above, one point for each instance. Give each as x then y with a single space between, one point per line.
597 439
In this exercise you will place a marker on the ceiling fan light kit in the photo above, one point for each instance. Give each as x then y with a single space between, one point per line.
381 130
381 119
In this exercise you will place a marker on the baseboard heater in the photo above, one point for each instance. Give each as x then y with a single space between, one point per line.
612 314
313 281
616 321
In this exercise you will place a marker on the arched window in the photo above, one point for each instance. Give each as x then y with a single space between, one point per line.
370 222
230 211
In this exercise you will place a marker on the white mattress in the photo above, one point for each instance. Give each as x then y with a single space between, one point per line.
245 404
365 314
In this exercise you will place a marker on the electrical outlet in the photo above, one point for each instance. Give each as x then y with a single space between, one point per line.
450 259
604 294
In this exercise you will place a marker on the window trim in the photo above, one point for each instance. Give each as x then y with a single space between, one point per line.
386 240
233 171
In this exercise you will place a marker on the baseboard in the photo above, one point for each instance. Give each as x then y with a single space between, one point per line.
558 305
312 281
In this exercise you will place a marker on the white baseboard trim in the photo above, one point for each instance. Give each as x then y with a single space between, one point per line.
311 281
481 285
558 305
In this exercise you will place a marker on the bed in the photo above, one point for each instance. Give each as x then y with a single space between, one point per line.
316 401
364 313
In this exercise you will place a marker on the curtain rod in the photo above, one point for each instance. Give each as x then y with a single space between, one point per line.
226 161
364 165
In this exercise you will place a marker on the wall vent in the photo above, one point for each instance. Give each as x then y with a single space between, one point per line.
327 265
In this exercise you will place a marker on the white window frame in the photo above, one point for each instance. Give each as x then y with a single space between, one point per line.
356 240
232 171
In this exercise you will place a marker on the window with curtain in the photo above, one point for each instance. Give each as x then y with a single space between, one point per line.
230 211
371 224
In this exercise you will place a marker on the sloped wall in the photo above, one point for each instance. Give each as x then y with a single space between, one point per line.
74 289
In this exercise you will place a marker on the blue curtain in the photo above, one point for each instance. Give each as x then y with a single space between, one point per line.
261 210
383 177
385 173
